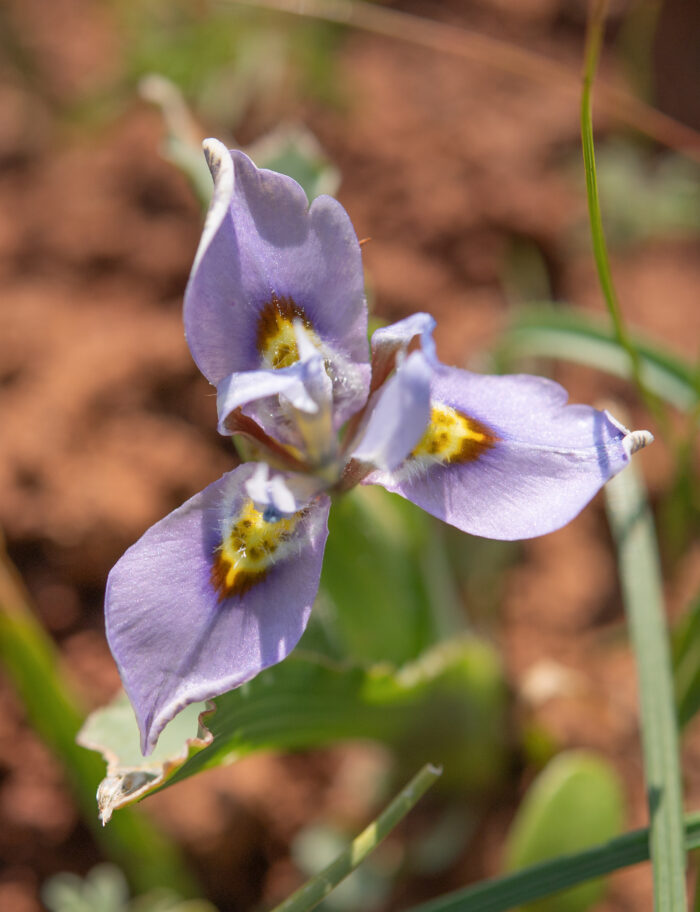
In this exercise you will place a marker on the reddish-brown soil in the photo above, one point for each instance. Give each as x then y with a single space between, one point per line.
106 424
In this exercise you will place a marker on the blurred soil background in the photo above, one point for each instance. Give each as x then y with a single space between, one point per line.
469 182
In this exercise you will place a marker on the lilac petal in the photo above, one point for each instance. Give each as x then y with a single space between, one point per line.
250 386
403 332
280 495
389 341
293 405
261 244
539 463
270 492
175 638
399 416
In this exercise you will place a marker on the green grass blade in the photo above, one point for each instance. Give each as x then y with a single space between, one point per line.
315 890
594 39
29 658
640 576
503 893
547 331
638 561
686 664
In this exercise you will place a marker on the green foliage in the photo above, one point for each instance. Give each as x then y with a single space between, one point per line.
574 803
30 661
214 55
320 886
448 706
388 599
638 562
105 889
645 197
368 886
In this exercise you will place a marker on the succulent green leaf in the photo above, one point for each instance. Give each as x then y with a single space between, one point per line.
574 803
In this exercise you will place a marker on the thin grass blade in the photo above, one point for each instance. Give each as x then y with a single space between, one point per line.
640 575
315 890
503 893
594 39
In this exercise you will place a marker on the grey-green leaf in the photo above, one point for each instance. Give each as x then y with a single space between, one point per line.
448 705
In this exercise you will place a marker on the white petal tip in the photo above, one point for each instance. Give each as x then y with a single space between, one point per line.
221 166
637 440
215 153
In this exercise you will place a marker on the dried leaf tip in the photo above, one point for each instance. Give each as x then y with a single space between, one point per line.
637 440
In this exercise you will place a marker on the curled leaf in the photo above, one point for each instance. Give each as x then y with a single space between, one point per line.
112 731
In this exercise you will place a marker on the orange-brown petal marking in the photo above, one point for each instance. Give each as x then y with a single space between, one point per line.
249 549
452 437
276 341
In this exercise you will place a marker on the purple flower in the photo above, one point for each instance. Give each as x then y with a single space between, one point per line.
276 319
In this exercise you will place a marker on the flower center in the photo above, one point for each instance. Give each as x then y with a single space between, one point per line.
276 341
452 437
254 542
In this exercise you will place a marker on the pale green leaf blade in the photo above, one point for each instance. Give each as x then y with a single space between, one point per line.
640 575
686 664
315 890
574 335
